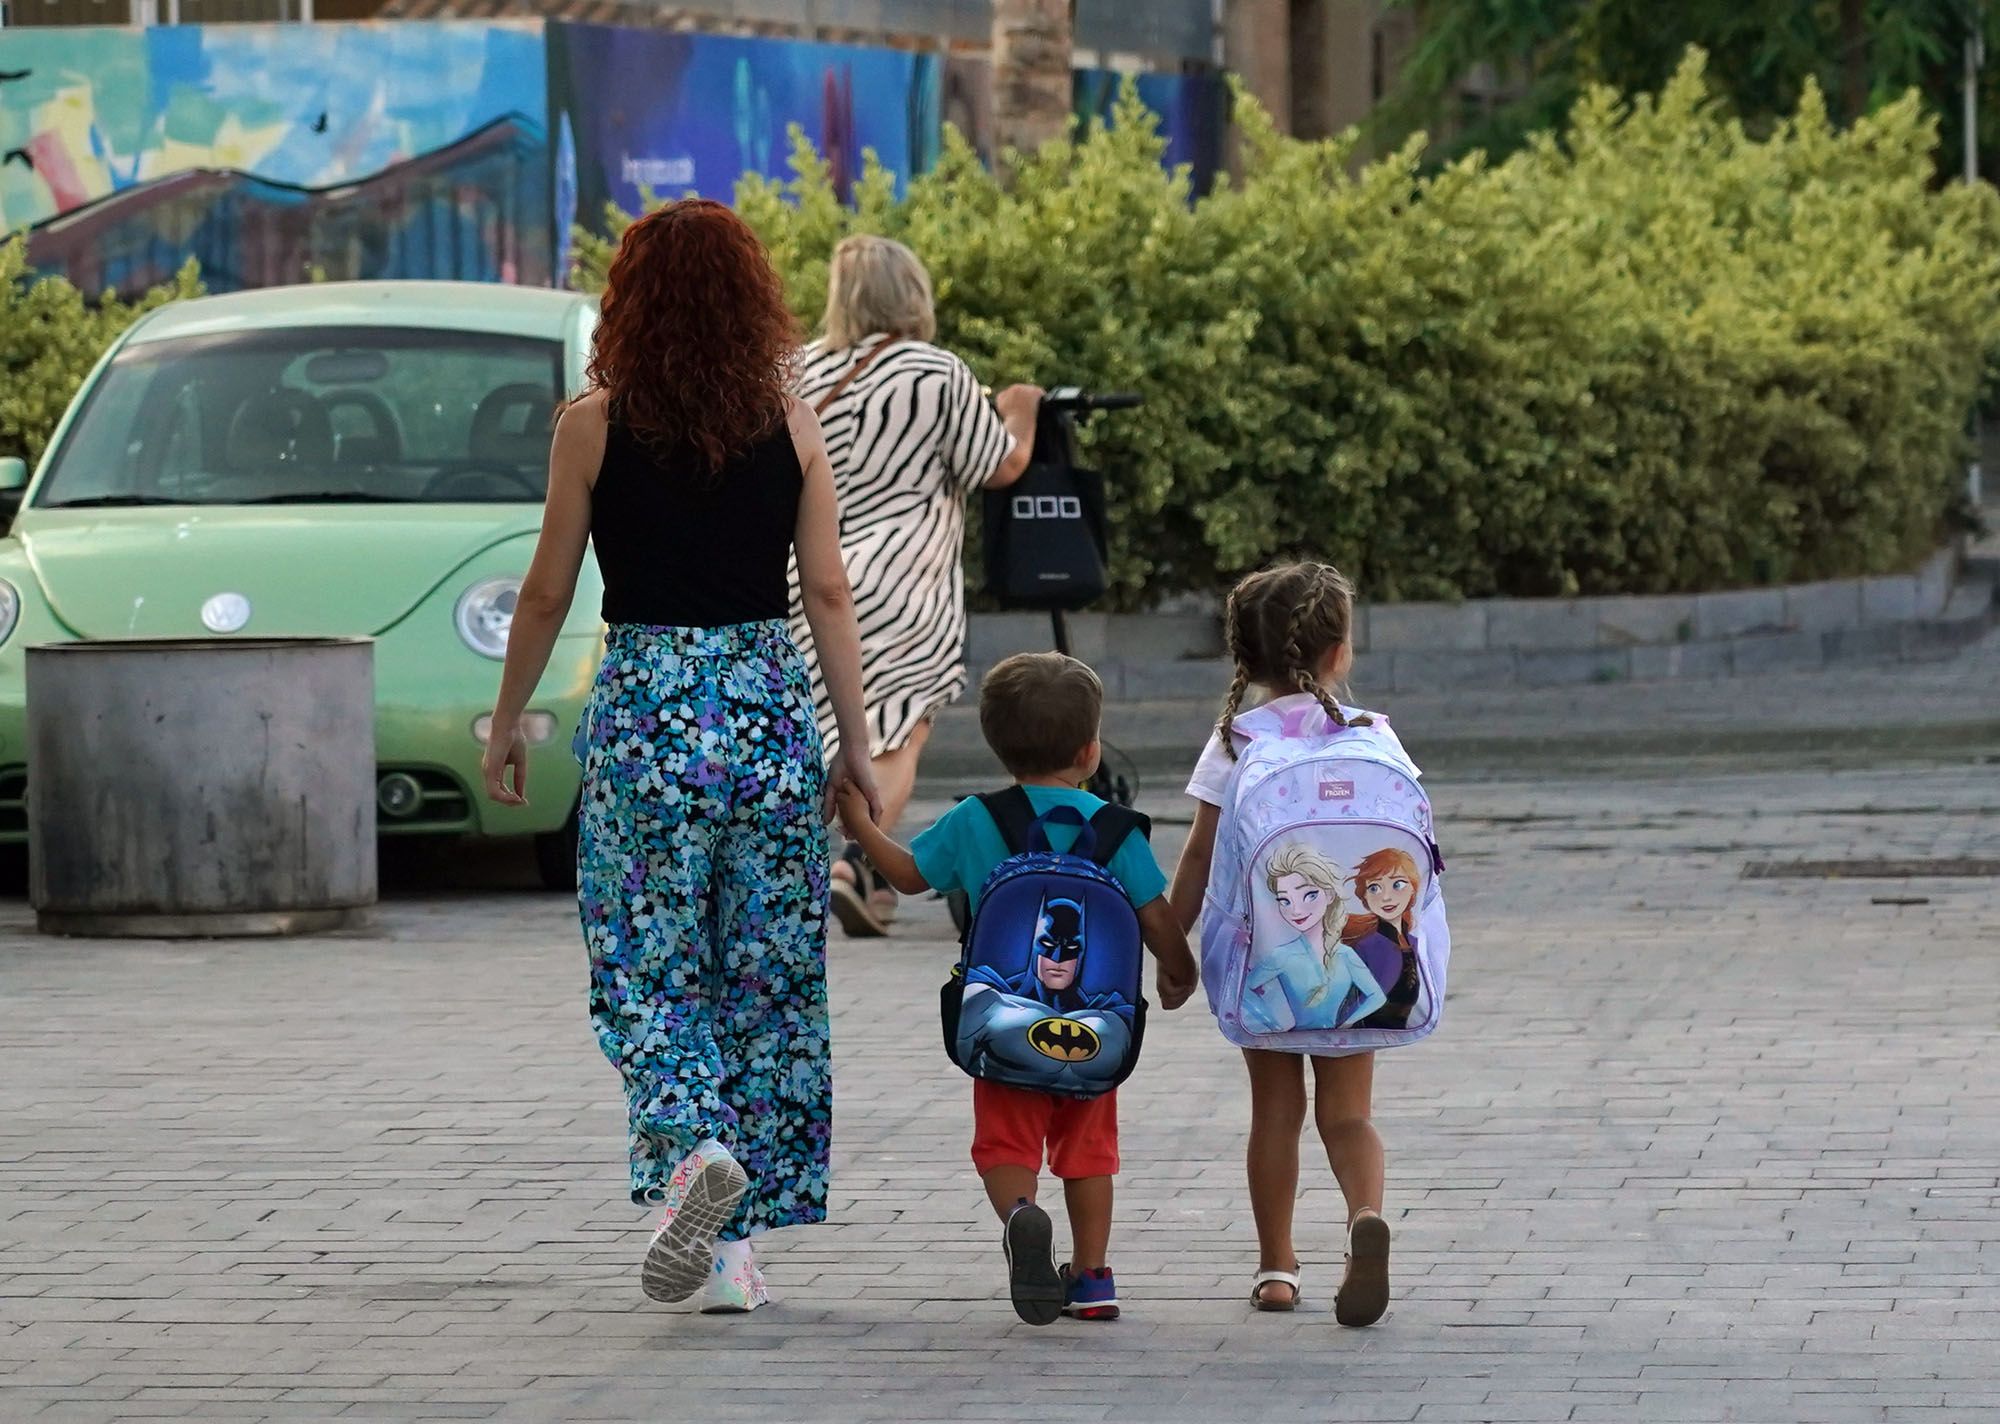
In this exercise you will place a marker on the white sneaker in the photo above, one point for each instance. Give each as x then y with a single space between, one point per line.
736 1287
700 1198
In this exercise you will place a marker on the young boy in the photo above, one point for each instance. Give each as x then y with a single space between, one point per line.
1040 712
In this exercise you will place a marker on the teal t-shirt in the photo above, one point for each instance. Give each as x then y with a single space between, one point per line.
961 849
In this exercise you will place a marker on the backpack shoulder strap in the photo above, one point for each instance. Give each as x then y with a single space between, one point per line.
1112 826
1013 813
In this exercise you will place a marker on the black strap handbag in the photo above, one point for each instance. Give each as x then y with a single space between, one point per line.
1045 533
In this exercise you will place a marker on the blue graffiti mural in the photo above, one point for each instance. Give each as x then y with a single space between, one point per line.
649 111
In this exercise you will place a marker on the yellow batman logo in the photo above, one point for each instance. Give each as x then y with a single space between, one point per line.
1065 1040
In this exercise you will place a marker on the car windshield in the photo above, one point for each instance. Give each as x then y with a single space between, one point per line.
310 415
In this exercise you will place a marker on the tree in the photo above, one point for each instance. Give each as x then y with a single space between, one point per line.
1031 71
1861 53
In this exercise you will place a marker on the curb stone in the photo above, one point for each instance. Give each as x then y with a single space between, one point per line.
1415 647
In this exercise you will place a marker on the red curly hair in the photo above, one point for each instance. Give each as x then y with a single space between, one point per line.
694 342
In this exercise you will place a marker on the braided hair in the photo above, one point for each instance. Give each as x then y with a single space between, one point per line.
1281 624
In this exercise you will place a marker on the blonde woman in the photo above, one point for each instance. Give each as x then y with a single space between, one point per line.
910 434
1311 980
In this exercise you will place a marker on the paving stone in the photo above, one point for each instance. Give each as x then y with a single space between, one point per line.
1687 1148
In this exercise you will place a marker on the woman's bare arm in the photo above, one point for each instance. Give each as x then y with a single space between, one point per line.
1018 406
828 599
546 592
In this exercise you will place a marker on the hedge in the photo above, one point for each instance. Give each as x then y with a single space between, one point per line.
1648 353
50 337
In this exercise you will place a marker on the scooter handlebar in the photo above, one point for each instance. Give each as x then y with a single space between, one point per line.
1075 399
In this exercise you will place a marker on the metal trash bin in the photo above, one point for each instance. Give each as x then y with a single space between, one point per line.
201 787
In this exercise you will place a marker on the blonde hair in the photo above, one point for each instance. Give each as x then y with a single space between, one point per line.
876 284
1281 624
1316 870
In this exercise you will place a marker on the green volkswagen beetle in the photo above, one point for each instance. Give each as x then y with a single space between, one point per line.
344 458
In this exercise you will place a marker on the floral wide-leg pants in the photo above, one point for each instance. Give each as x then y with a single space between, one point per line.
702 872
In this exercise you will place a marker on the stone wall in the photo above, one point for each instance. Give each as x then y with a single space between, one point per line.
1548 642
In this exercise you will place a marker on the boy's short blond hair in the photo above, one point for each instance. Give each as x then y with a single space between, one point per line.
1039 711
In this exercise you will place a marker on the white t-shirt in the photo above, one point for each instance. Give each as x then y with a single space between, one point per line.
1210 782
1211 772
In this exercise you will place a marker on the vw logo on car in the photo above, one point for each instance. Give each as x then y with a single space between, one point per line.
225 613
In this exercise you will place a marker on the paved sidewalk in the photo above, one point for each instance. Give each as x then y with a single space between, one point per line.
1690 1147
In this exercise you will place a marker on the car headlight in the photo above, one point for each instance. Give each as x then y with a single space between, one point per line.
10 609
485 615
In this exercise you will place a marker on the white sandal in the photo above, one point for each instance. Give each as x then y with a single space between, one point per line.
1281 1278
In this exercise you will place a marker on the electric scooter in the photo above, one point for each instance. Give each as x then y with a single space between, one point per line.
1063 411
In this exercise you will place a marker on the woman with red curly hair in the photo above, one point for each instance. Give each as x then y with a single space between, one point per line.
702 857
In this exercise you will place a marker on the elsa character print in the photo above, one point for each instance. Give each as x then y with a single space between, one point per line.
1311 980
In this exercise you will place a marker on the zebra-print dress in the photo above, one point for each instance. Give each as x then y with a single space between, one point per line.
909 439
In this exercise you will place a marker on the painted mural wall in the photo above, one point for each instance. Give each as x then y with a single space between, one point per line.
265 151
1193 110
652 111
268 153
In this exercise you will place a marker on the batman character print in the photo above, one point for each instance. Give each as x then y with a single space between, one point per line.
1041 1022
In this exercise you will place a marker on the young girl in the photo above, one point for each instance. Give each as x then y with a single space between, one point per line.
1289 633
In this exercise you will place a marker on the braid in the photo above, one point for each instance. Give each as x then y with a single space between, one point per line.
1237 688
1330 704
1298 663
1240 684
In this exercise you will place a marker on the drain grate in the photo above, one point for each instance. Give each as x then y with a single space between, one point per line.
1962 867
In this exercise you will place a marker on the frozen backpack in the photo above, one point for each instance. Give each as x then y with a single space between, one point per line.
1324 930
1046 992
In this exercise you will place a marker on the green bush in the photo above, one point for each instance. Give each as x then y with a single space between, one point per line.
50 337
1646 354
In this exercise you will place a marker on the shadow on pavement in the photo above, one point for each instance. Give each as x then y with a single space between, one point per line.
409 868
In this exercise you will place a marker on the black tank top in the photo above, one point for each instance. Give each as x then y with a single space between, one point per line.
681 548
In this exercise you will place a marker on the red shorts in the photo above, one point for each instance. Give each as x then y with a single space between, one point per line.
1013 1127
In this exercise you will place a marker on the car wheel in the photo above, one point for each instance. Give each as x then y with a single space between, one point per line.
13 870
555 855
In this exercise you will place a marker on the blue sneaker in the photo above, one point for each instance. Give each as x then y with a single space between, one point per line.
1090 1295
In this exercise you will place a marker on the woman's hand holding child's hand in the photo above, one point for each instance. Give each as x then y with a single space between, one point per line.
855 811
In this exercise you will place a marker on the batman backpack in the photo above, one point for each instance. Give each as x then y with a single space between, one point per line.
1046 992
